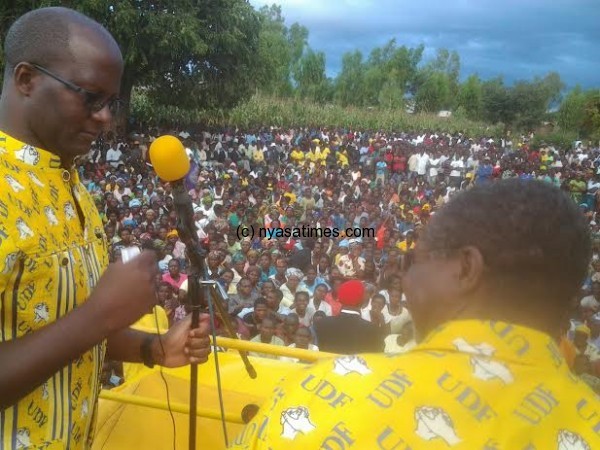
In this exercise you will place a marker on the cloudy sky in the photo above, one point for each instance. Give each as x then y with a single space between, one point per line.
518 39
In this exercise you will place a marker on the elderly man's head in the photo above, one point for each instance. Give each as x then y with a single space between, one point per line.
62 76
513 250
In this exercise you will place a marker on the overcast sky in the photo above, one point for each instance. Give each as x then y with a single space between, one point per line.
514 38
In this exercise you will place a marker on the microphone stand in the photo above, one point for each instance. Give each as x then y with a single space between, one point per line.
186 230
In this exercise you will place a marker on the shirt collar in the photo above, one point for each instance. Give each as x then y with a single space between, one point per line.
350 311
497 340
11 148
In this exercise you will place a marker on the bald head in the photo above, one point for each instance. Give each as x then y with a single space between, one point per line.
43 36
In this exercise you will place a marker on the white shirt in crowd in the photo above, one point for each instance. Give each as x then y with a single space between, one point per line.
422 162
113 157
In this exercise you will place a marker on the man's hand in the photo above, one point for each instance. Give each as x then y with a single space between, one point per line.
115 303
183 345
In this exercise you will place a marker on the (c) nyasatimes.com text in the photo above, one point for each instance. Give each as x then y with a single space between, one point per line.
303 232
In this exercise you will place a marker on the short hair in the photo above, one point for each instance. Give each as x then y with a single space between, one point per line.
164 284
227 271
319 313
260 301
269 318
42 36
292 317
302 293
303 329
378 295
533 238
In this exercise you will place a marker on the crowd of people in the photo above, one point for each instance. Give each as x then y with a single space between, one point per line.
279 288
464 245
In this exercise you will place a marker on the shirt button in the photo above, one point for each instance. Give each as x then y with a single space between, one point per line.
66 176
65 261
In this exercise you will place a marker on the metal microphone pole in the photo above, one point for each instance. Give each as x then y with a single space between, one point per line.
186 231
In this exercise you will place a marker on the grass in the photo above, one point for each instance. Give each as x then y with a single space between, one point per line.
269 111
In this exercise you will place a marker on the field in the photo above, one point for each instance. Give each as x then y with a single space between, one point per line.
269 111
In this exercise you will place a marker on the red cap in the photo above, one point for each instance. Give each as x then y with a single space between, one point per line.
351 293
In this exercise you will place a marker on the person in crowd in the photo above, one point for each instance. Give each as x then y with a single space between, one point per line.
266 335
292 286
288 327
318 302
488 299
301 340
174 276
374 311
349 333
302 308
253 319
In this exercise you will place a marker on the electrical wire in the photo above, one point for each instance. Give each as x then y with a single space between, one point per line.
162 375
218 372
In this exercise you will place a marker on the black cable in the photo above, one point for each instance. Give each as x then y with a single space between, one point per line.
165 380
218 372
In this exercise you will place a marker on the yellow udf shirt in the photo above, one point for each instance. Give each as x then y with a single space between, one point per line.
52 252
470 385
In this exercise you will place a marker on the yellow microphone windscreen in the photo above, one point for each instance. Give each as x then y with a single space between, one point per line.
169 159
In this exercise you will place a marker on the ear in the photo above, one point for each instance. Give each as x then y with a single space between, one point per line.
471 268
24 78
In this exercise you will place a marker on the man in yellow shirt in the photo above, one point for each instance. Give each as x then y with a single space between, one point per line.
488 298
61 309
297 156
408 243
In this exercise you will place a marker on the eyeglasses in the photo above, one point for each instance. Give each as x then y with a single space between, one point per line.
93 101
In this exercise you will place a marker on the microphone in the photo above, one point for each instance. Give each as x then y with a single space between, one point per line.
171 163
169 159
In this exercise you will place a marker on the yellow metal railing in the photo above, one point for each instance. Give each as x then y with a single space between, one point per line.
276 350
236 344
158 404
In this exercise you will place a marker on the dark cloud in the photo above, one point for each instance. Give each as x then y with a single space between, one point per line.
518 39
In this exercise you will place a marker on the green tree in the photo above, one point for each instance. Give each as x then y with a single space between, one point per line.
496 102
436 84
280 50
189 54
391 94
310 77
531 100
434 94
591 121
471 97
571 113
349 84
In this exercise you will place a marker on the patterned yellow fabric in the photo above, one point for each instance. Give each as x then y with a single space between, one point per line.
52 252
470 385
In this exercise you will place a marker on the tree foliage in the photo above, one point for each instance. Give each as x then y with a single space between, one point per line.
193 54
383 79
279 52
187 58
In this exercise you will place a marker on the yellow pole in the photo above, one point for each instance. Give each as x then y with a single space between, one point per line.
277 350
158 404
